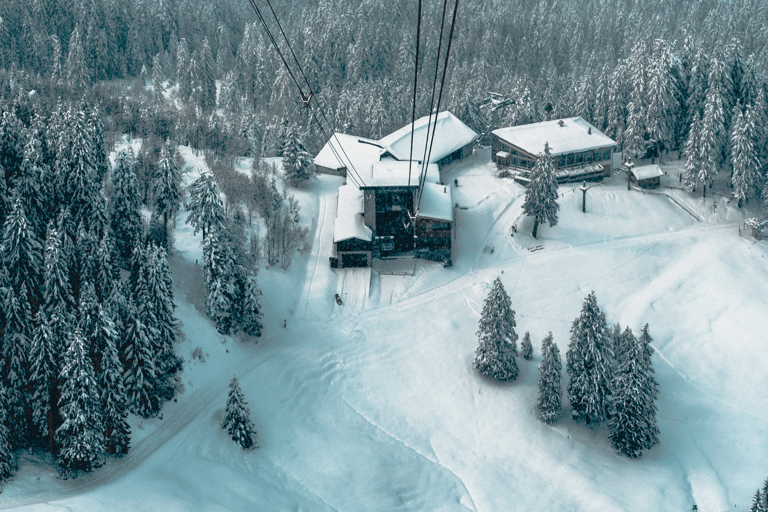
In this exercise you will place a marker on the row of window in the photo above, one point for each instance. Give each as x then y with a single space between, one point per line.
583 158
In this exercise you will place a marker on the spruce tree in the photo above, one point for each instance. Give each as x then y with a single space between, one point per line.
139 367
206 79
237 418
744 159
44 370
206 211
693 160
497 349
633 424
624 342
124 208
107 272
81 435
6 454
114 400
549 402
756 502
56 288
250 319
168 192
526 347
15 365
589 364
20 253
297 163
541 193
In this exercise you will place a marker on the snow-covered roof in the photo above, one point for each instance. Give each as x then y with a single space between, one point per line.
360 151
436 202
391 173
349 221
572 137
647 172
450 135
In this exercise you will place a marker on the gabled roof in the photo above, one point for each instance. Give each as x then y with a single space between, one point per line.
360 151
349 221
436 203
450 135
391 173
573 136
647 172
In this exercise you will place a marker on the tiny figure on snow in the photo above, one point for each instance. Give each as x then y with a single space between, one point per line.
285 323
456 182
714 207
338 300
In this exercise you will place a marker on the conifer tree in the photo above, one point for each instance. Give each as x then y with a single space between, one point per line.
237 418
550 394
693 160
14 365
633 425
44 372
124 208
20 253
250 318
56 288
139 367
589 364
623 344
81 436
168 193
297 163
182 70
206 78
75 68
497 350
744 159
114 400
756 502
107 272
6 455
526 347
205 206
712 138
541 193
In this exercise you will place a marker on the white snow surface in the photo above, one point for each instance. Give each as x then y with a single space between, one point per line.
450 135
342 149
391 173
375 404
573 136
349 222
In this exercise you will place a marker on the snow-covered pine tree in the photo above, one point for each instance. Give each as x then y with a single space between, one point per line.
107 272
20 253
118 306
183 60
297 163
6 454
81 436
550 401
218 270
75 67
168 192
250 319
206 211
633 424
124 208
624 342
14 365
663 95
589 364
84 267
541 193
114 400
139 375
206 77
44 372
744 159
526 348
756 502
30 184
497 349
237 418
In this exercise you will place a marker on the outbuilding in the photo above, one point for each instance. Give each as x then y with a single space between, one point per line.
647 176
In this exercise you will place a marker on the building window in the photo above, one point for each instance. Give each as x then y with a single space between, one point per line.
561 161
570 159
607 154
579 158
441 225
588 157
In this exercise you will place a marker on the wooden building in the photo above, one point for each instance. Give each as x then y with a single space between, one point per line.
646 176
453 140
379 220
580 151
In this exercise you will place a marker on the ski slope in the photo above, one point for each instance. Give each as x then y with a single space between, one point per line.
375 405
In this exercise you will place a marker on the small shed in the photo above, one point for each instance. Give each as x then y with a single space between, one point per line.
758 227
647 176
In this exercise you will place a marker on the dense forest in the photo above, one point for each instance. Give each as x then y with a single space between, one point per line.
87 299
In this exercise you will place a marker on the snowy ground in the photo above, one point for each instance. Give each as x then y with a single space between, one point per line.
375 405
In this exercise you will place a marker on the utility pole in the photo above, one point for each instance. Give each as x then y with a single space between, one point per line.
584 189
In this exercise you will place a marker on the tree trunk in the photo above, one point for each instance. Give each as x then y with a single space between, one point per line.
535 228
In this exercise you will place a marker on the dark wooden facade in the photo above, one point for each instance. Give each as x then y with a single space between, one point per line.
519 159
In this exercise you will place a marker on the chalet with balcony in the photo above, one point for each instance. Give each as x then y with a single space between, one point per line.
580 151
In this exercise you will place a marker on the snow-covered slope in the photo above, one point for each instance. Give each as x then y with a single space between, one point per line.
374 405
